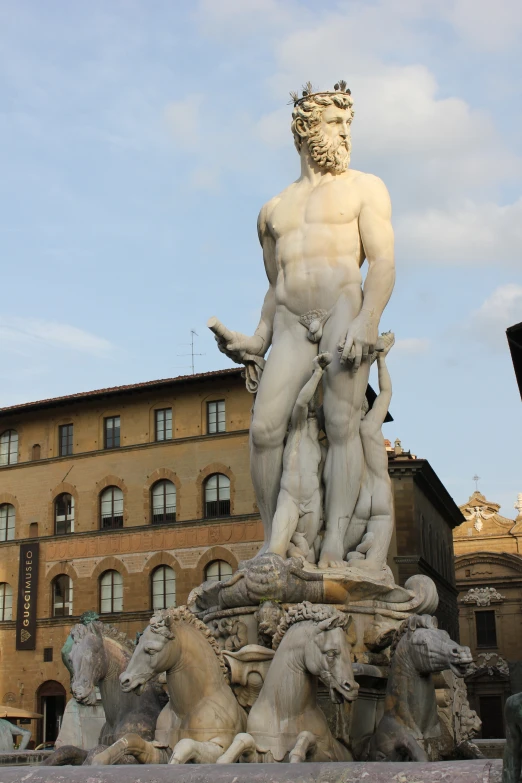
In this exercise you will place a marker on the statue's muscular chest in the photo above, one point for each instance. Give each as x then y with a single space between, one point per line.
303 208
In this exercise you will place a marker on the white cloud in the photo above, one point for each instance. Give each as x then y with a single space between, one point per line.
501 309
472 233
411 345
29 335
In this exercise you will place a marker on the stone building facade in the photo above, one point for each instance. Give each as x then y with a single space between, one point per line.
488 567
134 496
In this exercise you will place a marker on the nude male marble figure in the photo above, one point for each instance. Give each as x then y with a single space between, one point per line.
299 511
315 237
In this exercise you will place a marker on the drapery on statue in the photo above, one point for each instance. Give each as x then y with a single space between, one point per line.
315 237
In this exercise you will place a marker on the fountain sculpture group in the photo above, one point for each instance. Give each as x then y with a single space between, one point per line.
310 651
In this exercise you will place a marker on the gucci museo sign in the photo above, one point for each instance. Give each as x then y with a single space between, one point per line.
27 591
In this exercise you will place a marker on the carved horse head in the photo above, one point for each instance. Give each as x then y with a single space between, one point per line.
431 649
324 635
93 652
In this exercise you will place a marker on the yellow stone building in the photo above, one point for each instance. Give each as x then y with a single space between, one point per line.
488 569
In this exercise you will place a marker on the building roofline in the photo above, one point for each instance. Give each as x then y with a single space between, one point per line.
429 481
113 391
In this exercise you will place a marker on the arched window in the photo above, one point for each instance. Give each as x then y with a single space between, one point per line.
7 522
111 508
163 502
6 601
9 447
111 592
217 570
36 451
217 496
64 514
163 587
62 596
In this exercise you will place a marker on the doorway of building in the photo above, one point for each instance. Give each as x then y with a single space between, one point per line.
51 704
491 715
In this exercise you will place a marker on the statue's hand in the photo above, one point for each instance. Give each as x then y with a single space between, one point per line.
360 339
322 360
234 344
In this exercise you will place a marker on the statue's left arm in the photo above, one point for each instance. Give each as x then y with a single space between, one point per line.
377 239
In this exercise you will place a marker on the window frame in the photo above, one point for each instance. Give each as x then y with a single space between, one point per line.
112 610
3 608
165 425
112 517
8 527
165 515
162 568
221 510
67 599
68 521
219 562
218 421
113 438
65 444
12 447
487 642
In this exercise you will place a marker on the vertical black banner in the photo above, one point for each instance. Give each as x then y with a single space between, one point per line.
27 592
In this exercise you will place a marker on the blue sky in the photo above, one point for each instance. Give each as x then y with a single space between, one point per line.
140 139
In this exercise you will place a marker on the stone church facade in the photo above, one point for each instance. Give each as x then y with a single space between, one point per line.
488 568
133 496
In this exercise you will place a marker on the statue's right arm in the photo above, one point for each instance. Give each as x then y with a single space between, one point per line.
382 402
261 340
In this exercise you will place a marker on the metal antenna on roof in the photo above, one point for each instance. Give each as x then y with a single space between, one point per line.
193 334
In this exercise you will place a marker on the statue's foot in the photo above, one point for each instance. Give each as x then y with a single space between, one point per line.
330 560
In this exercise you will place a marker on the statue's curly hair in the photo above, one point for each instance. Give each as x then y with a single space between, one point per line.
315 613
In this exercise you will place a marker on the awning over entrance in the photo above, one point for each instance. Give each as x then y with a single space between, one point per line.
13 712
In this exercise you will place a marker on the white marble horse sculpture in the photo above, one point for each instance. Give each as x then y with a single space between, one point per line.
410 716
285 723
203 716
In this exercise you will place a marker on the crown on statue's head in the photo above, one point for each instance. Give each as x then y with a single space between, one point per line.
309 92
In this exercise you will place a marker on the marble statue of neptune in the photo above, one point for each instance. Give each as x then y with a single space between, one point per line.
315 236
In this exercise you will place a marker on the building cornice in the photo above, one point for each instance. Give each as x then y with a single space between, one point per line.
426 478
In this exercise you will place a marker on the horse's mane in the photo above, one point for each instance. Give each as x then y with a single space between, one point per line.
308 611
161 621
80 631
410 625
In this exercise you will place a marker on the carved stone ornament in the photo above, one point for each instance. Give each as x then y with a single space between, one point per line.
482 596
489 663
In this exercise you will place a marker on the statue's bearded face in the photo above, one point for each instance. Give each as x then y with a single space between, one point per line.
329 141
323 124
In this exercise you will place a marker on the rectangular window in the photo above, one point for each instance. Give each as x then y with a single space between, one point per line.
216 421
486 629
163 424
48 654
66 439
112 432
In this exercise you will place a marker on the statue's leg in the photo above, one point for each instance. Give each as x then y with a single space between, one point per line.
188 751
131 745
344 392
243 745
513 747
305 745
288 368
285 522
68 755
406 746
